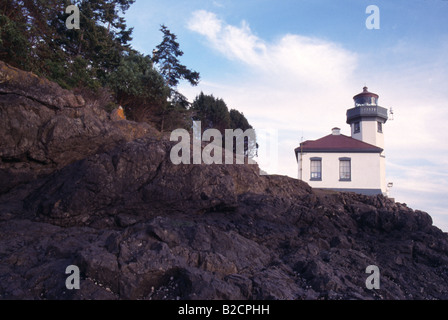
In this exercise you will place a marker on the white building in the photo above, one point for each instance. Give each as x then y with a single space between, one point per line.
353 164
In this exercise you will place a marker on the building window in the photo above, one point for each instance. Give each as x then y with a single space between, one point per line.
380 127
356 127
345 169
316 169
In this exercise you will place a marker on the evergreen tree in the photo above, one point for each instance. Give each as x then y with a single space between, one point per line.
14 46
212 112
26 28
33 36
238 120
136 77
103 36
166 57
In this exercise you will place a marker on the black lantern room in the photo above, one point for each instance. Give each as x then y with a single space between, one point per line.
367 108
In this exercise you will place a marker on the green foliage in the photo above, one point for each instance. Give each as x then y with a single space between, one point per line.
238 120
34 37
212 112
14 47
139 88
166 57
102 39
136 77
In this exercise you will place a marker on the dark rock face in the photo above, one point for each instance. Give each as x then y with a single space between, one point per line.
139 227
44 128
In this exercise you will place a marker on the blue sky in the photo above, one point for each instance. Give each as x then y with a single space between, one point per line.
295 65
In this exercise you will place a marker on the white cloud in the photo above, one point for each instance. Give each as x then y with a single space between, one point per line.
205 23
287 75
307 59
236 43
218 4
302 86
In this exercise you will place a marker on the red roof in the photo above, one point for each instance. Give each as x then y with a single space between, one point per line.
337 143
366 93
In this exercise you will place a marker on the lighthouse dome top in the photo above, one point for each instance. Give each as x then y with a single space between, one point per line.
366 98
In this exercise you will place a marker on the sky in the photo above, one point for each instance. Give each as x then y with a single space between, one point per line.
293 66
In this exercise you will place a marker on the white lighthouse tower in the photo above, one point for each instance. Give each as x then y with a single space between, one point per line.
367 121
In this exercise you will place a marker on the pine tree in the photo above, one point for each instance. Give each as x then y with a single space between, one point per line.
239 121
14 45
166 57
212 112
33 36
103 37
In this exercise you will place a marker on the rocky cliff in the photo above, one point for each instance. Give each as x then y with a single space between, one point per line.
77 188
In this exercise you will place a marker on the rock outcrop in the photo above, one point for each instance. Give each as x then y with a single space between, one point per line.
44 128
80 189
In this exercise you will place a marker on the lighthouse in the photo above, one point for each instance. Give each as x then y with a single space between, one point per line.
355 163
367 119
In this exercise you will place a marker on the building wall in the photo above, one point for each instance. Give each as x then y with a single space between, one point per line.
383 173
366 171
369 133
